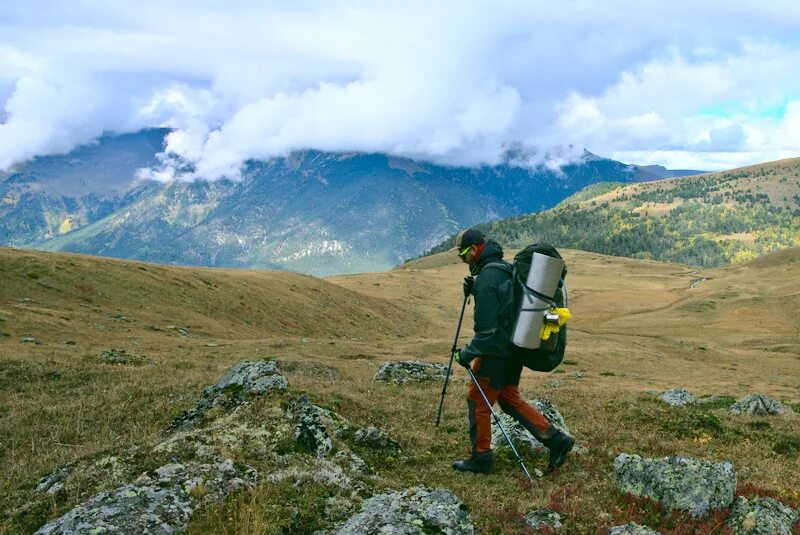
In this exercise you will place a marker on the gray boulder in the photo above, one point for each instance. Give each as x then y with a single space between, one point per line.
520 436
377 442
631 528
679 483
678 397
243 381
405 371
415 511
761 516
160 502
543 518
758 404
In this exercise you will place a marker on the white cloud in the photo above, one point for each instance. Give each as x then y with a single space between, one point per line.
447 81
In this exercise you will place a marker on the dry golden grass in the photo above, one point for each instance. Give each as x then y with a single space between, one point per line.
778 180
638 326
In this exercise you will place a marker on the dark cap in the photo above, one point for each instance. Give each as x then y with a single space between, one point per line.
471 236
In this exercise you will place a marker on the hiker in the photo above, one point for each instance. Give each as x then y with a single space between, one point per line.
490 355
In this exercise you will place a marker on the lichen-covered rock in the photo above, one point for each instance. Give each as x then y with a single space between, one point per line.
243 381
416 511
159 502
679 483
53 482
313 424
406 371
761 516
520 436
335 423
120 356
375 440
543 518
226 437
631 529
678 397
757 404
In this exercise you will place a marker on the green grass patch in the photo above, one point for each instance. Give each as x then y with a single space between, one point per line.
275 508
723 402
787 445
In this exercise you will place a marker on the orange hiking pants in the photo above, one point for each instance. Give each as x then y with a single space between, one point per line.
511 402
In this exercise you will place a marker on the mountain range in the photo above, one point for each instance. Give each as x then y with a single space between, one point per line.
315 212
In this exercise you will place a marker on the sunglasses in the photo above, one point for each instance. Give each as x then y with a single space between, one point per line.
464 252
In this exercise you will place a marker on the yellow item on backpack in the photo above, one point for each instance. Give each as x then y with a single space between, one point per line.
563 317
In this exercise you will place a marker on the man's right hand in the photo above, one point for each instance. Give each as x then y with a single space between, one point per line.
469 282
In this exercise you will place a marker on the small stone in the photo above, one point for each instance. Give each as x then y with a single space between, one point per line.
402 372
30 340
678 397
631 528
579 375
543 518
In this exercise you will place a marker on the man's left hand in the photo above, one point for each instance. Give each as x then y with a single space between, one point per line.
462 359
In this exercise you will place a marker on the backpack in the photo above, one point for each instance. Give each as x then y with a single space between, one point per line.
549 355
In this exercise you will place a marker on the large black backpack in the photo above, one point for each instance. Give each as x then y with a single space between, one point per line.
550 354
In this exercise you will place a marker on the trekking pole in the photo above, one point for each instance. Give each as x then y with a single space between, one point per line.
497 421
450 365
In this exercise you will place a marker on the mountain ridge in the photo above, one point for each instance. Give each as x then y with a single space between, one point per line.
311 211
705 220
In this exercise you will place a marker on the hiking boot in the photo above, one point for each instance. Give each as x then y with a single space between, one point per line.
475 464
559 445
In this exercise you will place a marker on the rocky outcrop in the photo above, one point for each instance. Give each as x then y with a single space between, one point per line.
678 397
631 529
416 511
678 483
539 519
406 371
758 404
243 381
761 516
158 502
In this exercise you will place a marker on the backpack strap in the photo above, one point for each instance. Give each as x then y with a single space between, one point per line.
504 266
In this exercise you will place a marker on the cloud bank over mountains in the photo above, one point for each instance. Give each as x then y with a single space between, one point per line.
707 86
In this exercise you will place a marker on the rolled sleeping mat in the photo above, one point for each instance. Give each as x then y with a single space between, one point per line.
537 299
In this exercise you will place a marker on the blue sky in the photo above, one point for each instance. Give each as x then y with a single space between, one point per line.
700 85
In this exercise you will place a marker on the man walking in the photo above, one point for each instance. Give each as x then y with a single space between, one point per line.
490 355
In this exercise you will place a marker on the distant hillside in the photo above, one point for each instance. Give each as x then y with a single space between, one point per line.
313 212
706 220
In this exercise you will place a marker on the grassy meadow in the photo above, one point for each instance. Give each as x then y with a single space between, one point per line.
639 327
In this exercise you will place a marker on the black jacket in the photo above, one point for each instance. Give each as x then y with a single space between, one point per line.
493 291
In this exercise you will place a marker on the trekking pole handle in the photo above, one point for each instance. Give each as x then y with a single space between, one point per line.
450 364
497 421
